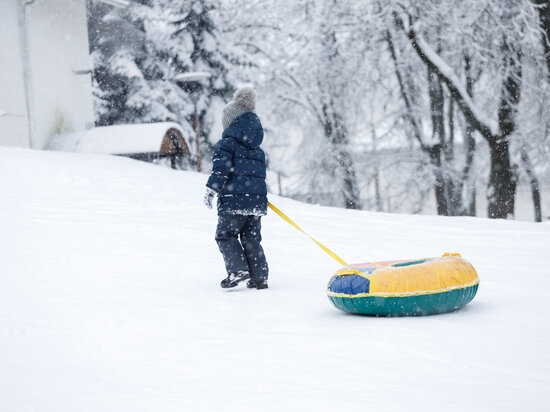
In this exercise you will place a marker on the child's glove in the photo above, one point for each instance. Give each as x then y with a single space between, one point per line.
208 197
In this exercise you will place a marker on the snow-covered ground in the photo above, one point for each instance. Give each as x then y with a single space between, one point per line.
110 301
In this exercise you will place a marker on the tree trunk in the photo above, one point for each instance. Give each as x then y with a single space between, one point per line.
448 192
470 207
456 183
441 200
544 18
469 183
449 149
350 192
533 182
502 182
437 104
336 133
377 192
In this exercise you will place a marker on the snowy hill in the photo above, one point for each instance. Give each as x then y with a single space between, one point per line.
110 301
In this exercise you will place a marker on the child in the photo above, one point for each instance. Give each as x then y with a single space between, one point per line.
238 178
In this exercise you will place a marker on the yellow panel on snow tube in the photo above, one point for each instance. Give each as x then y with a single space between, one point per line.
405 287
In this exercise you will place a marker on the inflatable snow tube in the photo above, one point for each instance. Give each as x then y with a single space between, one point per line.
404 288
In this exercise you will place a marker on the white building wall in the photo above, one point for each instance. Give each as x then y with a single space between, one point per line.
58 42
13 127
57 46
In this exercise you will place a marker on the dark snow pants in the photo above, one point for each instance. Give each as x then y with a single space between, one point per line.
246 254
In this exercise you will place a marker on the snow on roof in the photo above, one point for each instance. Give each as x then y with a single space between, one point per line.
116 3
119 139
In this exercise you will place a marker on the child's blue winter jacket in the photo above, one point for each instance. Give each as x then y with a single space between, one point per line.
238 168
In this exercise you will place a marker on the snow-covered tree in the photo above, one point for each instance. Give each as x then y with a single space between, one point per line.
316 80
138 53
385 105
450 38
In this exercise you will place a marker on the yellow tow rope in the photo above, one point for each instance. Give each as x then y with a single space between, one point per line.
326 249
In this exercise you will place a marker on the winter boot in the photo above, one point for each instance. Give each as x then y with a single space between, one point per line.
257 284
233 279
